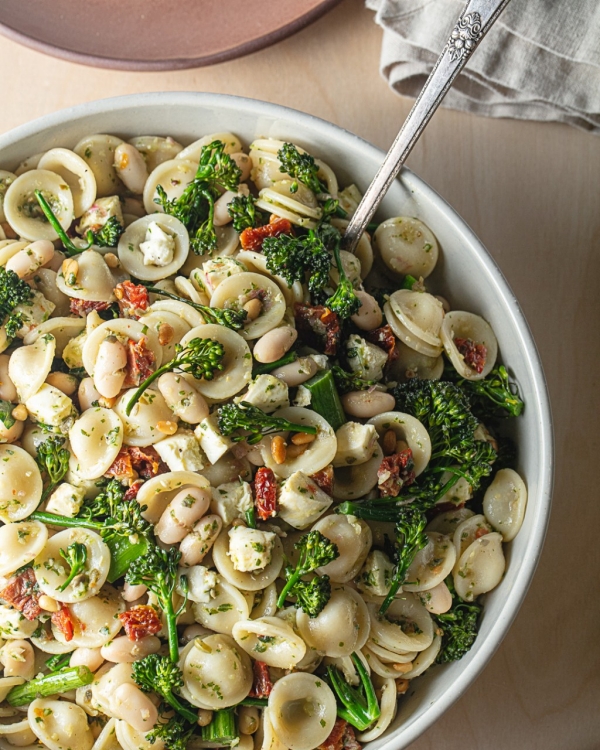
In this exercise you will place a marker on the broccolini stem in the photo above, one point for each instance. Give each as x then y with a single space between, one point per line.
145 385
222 729
58 661
69 523
51 684
54 222
262 368
260 702
233 319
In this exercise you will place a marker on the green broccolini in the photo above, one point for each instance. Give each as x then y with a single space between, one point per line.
459 627
491 398
13 291
76 556
50 684
359 706
221 730
316 551
299 258
196 206
233 319
344 301
202 358
244 213
252 423
349 381
53 460
300 166
160 675
6 417
174 732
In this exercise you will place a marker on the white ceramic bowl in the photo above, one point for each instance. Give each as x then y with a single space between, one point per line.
466 274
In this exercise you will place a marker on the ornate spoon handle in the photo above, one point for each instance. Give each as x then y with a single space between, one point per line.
471 27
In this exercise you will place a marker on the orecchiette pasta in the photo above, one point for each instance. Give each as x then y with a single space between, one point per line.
23 212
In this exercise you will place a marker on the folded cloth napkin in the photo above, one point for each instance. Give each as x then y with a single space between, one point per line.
539 61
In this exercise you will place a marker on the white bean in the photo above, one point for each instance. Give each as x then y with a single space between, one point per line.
204 717
8 392
132 593
366 404
87 393
87 657
182 398
274 344
181 514
13 433
109 370
244 162
437 600
27 261
247 719
197 543
131 167
18 659
297 372
221 215
122 650
369 315
130 704
64 382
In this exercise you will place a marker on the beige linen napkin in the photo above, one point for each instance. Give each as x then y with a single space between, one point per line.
540 60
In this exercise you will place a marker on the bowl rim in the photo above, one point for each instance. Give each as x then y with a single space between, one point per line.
411 731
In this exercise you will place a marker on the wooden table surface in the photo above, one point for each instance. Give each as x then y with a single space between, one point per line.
531 192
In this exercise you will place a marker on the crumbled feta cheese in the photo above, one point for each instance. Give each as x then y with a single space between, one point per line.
201 583
267 393
72 353
232 500
211 441
376 575
301 502
181 451
34 313
355 443
216 270
159 246
365 359
99 213
303 396
50 406
66 500
250 549
321 361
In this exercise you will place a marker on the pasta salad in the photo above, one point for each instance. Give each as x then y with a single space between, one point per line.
251 485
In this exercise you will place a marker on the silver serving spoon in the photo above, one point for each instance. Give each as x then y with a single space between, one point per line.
473 24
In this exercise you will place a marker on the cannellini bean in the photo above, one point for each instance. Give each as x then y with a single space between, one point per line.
182 398
30 258
181 514
132 593
18 659
274 344
64 382
438 599
8 392
197 543
366 404
131 167
87 657
204 717
109 370
369 315
122 650
244 162
247 719
297 372
87 393
221 215
130 704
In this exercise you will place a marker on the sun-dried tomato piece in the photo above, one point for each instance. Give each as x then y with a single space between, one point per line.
140 622
324 479
265 493
23 594
132 299
473 354
395 472
140 361
252 238
342 737
262 684
84 306
131 460
63 621
132 492
318 326
121 468
385 339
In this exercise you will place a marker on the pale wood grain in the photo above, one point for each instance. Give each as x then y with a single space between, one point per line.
531 192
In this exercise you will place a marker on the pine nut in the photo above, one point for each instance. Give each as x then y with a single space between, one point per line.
402 685
166 427
70 269
302 438
254 308
293 451
19 413
204 717
118 292
48 603
111 260
165 334
389 443
403 668
278 449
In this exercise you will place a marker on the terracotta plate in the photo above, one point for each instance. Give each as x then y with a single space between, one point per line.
154 34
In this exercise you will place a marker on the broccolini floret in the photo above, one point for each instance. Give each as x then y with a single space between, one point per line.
491 398
174 732
13 291
244 213
359 705
251 423
349 381
6 417
344 301
459 625
229 318
301 167
299 258
316 551
202 358
76 556
196 206
53 460
160 675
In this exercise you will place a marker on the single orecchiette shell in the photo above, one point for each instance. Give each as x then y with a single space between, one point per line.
408 338
465 325
265 602
357 480
341 627
98 151
157 493
246 581
319 453
20 543
378 667
387 656
467 531
407 246
6 179
185 312
130 739
480 567
290 199
504 503
29 163
23 211
270 640
420 313
76 173
231 142
13 625
412 364
257 263
216 672
60 724
405 609
132 257
173 176
303 710
95 620
156 320
29 365
353 541
155 149
239 289
93 280
410 430
20 484
431 564
226 607
96 439
237 362
51 570
387 704
446 523
140 426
